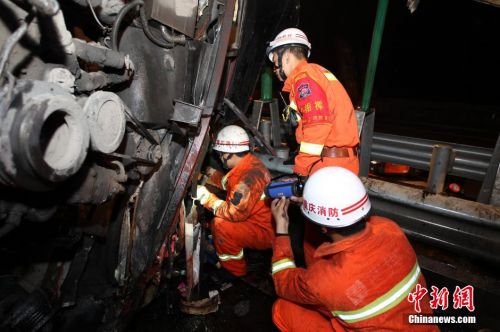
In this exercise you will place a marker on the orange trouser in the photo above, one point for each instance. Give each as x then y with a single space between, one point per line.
289 316
231 237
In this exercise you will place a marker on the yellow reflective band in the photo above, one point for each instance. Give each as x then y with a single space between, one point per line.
330 76
311 148
384 303
225 257
223 182
217 205
283 264
293 105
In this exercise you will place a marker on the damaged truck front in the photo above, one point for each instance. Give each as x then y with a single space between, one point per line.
105 115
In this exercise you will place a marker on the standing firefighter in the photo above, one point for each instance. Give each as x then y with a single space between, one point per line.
362 276
243 220
327 129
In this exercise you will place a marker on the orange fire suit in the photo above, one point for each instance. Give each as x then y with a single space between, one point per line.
327 119
359 283
244 219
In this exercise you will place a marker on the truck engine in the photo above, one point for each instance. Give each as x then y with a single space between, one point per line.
105 115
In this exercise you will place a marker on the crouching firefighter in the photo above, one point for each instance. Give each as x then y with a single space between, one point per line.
244 218
363 275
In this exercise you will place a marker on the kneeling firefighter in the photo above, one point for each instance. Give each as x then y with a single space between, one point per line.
362 275
244 218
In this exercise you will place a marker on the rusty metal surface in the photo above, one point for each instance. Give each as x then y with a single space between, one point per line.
193 157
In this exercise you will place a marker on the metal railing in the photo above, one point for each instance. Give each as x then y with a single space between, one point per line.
469 161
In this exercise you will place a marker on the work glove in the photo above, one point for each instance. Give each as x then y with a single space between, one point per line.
202 194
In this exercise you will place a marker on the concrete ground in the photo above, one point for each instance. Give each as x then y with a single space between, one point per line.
242 308
245 305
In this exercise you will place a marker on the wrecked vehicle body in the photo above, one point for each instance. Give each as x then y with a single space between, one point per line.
105 113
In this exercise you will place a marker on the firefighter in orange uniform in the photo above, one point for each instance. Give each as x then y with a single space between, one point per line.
327 131
327 128
363 275
243 219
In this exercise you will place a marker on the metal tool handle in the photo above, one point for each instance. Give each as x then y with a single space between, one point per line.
258 136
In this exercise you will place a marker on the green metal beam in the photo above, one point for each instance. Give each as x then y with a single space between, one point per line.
378 31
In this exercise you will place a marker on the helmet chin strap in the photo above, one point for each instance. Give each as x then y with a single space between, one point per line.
225 160
281 72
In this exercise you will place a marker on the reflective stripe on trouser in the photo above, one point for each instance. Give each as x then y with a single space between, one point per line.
311 148
384 303
283 264
231 237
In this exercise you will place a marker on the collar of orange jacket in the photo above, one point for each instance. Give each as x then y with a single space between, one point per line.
241 165
327 249
287 87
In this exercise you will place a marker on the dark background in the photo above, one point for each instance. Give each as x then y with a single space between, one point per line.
438 71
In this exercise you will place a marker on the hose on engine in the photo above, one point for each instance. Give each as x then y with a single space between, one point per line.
149 34
119 18
9 44
170 39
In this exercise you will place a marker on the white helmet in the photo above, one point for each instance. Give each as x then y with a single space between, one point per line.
232 139
335 197
287 37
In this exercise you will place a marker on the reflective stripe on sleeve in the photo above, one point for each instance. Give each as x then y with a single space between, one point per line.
293 105
283 264
311 148
223 182
227 257
384 303
217 204
330 76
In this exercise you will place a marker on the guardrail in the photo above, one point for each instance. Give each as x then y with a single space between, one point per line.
470 162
